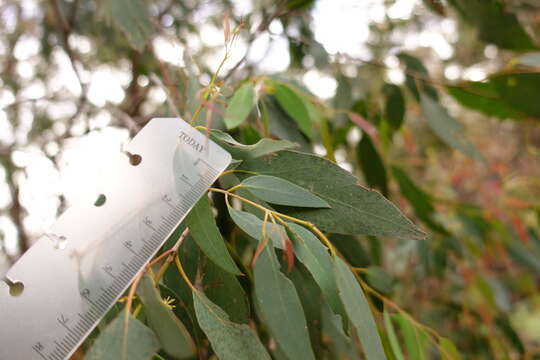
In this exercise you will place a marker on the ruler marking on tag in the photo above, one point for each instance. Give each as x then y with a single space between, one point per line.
167 220
74 333
107 291
39 353
55 352
63 349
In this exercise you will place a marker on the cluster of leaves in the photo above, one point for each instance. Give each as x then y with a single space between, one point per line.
283 271
308 302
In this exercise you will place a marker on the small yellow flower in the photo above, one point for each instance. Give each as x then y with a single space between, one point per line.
169 302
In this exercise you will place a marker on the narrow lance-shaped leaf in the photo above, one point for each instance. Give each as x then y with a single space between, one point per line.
417 76
517 90
282 125
241 151
307 248
280 305
372 164
224 289
495 23
379 279
418 198
294 105
415 339
392 337
206 234
365 211
240 105
358 311
140 344
446 127
504 325
253 226
314 255
312 301
172 334
279 191
483 97
448 350
229 340
394 105
341 345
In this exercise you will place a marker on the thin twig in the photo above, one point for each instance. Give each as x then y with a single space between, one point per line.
281 216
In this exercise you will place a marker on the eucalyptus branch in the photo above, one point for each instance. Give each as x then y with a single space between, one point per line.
229 43
393 305
172 253
281 216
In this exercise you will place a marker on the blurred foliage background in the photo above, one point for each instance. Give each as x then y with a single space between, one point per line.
434 103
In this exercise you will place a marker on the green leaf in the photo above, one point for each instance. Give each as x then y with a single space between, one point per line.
352 249
184 311
483 97
415 339
132 18
172 334
253 226
417 75
380 279
494 23
394 105
392 337
448 350
524 255
229 340
372 164
191 257
206 234
312 300
241 151
446 127
225 291
358 311
140 344
282 192
354 209
517 90
504 325
343 99
282 125
295 106
341 346
418 198
314 255
240 105
280 306
307 248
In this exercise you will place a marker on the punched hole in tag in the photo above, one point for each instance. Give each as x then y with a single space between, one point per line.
101 200
134 159
60 242
16 288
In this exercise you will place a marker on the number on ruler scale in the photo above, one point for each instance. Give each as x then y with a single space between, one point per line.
63 320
